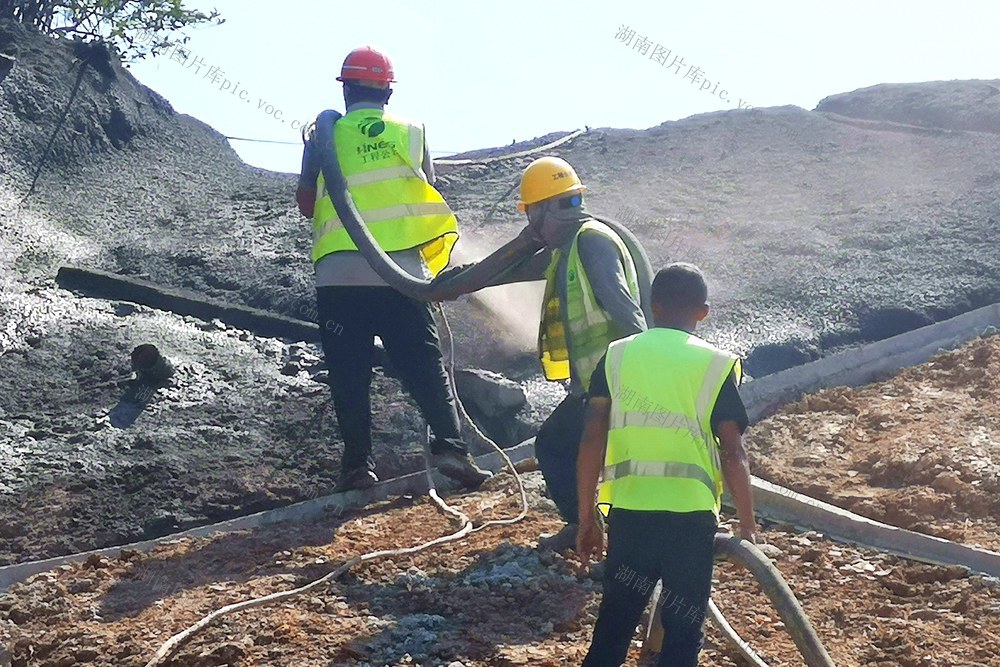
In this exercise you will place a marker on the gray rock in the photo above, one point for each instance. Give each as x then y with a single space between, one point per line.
770 550
413 636
490 393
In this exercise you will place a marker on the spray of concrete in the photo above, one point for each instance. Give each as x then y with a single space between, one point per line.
515 307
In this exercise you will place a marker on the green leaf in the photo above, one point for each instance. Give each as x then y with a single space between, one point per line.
116 22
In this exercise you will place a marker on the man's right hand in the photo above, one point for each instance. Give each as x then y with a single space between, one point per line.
529 234
589 541
748 530
453 271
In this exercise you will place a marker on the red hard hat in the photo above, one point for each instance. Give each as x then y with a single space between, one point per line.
366 65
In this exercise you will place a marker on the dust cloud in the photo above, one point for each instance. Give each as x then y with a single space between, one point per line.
515 308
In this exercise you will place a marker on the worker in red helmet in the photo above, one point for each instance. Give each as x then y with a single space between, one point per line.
390 176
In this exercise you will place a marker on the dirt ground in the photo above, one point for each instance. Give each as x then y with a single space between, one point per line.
492 599
920 450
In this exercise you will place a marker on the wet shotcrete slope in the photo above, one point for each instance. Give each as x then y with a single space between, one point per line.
818 229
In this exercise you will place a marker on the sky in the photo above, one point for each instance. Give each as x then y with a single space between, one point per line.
481 74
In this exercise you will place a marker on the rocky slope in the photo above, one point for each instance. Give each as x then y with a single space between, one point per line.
949 105
816 230
919 450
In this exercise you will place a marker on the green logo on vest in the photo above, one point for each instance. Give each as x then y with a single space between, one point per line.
372 127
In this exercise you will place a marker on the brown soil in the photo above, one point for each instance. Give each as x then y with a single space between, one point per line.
920 450
492 599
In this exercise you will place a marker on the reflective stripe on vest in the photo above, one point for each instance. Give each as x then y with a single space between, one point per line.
380 156
660 420
661 454
574 331
658 469
386 174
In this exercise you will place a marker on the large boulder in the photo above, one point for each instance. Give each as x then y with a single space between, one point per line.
489 393
499 406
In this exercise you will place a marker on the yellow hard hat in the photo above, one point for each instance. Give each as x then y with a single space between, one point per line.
548 177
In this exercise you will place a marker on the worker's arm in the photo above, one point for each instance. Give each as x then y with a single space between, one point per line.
528 264
428 164
729 421
532 268
606 274
305 193
589 461
736 471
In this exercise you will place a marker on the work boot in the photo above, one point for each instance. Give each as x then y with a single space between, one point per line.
356 478
461 468
564 539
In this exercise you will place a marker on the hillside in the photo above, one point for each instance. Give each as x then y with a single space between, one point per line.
817 230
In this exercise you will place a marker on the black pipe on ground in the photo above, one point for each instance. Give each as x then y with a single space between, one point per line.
746 554
149 365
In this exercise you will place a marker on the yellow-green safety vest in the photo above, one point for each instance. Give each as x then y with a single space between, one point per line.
575 331
381 156
662 454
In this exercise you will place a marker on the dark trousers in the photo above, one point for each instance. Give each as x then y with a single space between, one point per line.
556 447
349 320
676 548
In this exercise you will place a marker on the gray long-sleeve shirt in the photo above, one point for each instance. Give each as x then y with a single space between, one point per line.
607 278
606 274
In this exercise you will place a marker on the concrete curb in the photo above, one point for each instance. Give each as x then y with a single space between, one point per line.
786 506
859 366
414 483
112 286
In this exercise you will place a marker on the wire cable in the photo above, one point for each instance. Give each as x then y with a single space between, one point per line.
59 125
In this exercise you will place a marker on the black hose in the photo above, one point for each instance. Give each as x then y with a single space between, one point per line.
490 271
499 268
753 559
643 267
59 125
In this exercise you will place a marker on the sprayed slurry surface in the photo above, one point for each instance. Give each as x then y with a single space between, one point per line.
815 233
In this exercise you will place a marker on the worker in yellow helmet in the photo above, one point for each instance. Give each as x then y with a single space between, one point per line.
390 176
664 427
592 298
